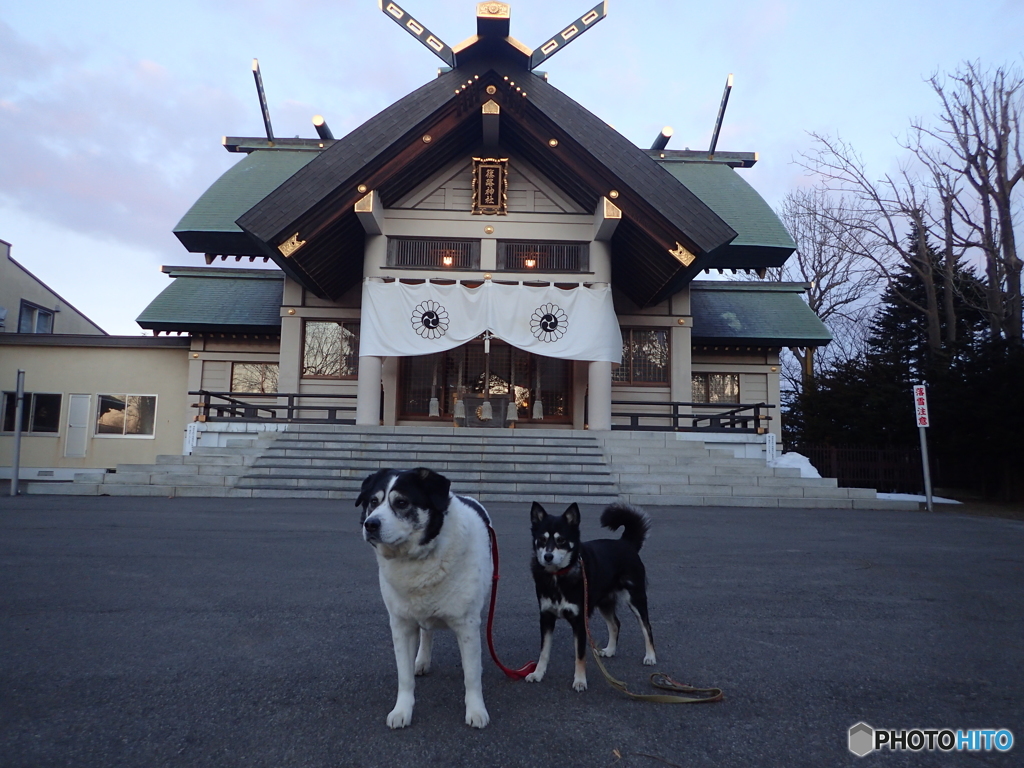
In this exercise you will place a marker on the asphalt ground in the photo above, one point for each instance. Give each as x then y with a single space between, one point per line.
208 632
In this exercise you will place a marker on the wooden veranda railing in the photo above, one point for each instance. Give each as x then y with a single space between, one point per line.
291 407
691 417
288 407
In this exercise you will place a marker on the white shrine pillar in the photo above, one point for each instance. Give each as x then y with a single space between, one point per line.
368 391
599 395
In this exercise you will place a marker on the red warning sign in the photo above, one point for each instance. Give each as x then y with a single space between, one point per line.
921 405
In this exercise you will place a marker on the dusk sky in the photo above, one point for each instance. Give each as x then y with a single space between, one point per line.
112 112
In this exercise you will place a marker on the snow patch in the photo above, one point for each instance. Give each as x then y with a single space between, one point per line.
795 461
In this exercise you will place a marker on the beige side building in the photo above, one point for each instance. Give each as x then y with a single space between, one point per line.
28 305
91 400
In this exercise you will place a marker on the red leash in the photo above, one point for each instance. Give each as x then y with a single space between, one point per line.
515 674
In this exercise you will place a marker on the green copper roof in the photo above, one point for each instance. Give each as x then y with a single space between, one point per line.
764 314
217 300
209 226
761 240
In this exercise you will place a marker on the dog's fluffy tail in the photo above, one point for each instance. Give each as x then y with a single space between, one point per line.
635 523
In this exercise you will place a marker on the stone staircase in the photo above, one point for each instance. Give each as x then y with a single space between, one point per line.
491 465
330 462
550 466
207 472
661 469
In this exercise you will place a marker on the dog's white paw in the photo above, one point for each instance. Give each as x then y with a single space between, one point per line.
477 716
605 652
534 677
422 668
650 660
579 684
400 717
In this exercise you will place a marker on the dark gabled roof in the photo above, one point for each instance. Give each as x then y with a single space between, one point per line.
761 240
625 164
762 314
667 198
220 300
209 225
358 152
388 153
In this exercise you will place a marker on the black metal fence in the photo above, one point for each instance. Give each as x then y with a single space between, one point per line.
690 417
275 407
889 470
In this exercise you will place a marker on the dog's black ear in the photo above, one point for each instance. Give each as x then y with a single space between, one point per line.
367 486
572 515
537 513
437 487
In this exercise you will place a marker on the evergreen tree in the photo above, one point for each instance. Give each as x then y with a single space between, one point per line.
867 401
973 390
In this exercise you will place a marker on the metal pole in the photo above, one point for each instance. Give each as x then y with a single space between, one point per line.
927 469
19 408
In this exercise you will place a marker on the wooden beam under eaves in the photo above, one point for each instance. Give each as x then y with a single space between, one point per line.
491 116
606 219
369 211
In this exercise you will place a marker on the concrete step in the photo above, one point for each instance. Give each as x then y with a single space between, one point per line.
485 497
467 486
196 468
436 432
164 479
366 466
59 489
528 437
284 447
712 475
394 457
211 451
558 473
660 500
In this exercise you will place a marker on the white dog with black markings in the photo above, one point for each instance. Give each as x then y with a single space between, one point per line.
434 562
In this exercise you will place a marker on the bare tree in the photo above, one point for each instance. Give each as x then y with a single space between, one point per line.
980 132
884 221
842 284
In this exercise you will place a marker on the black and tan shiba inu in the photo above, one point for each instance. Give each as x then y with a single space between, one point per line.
614 573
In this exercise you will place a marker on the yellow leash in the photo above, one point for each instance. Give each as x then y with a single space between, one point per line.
658 679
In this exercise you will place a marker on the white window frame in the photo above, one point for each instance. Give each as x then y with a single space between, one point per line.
122 436
33 311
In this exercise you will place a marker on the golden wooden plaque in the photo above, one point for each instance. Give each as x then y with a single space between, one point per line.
490 185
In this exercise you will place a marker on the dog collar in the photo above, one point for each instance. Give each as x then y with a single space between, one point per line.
564 570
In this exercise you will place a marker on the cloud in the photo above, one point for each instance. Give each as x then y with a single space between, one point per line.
117 150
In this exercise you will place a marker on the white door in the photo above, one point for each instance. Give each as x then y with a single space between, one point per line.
79 421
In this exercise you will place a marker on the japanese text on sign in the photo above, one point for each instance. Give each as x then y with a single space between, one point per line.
921 405
490 185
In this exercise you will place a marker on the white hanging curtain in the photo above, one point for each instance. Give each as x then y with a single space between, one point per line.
400 320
